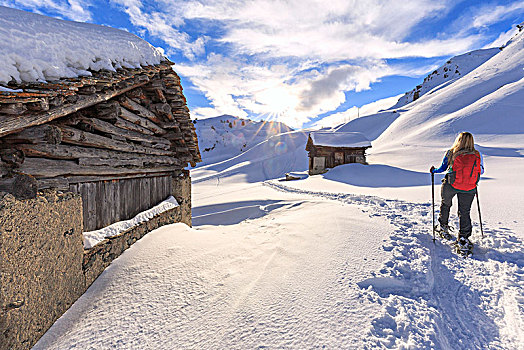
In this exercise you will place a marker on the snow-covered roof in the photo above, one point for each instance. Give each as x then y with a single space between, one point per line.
339 139
40 48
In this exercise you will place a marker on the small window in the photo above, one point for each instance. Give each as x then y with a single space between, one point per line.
351 158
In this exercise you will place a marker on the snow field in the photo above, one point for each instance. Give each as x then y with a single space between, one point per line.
286 280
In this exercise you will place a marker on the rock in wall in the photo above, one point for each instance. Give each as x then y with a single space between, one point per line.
182 193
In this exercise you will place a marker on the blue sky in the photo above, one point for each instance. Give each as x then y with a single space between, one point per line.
297 61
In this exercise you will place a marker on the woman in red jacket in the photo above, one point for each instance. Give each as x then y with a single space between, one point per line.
463 165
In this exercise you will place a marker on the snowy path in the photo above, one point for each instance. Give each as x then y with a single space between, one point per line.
433 299
282 274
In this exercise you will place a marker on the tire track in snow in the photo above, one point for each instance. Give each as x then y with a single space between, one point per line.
433 298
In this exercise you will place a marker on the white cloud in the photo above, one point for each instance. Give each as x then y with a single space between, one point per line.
338 30
341 44
162 25
488 15
275 92
69 9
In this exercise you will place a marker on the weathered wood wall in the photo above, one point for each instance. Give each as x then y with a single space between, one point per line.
106 202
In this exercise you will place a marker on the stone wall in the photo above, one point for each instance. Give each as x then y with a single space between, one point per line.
41 256
182 193
100 256
43 265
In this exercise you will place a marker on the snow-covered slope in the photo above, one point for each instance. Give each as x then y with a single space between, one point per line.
226 136
39 48
486 101
269 159
452 70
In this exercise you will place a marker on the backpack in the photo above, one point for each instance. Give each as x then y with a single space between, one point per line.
465 171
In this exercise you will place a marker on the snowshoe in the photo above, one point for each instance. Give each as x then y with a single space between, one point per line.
443 232
464 246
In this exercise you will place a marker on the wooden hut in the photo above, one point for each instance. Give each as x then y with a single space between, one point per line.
116 138
329 149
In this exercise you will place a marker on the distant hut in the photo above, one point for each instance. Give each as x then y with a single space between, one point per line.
329 149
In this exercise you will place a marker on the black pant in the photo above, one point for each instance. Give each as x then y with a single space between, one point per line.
464 207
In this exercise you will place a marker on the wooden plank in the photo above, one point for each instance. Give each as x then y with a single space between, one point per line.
139 109
135 198
145 194
12 124
35 135
157 189
124 124
107 202
171 125
47 168
167 186
75 179
76 152
129 198
88 193
58 183
99 204
121 186
110 162
138 120
83 138
116 201
109 128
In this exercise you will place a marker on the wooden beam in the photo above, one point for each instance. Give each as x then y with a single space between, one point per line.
139 109
138 120
85 179
109 128
170 125
124 124
82 138
48 168
13 108
22 186
59 183
36 134
75 152
110 162
12 124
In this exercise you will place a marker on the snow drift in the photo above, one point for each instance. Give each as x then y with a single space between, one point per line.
40 48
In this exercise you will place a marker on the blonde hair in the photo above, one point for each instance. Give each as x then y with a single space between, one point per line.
464 143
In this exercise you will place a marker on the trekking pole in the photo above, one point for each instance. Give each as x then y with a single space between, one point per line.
433 202
480 217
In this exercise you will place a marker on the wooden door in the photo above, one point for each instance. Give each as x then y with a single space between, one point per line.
339 158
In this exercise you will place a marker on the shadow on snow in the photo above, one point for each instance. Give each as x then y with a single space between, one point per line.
235 212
